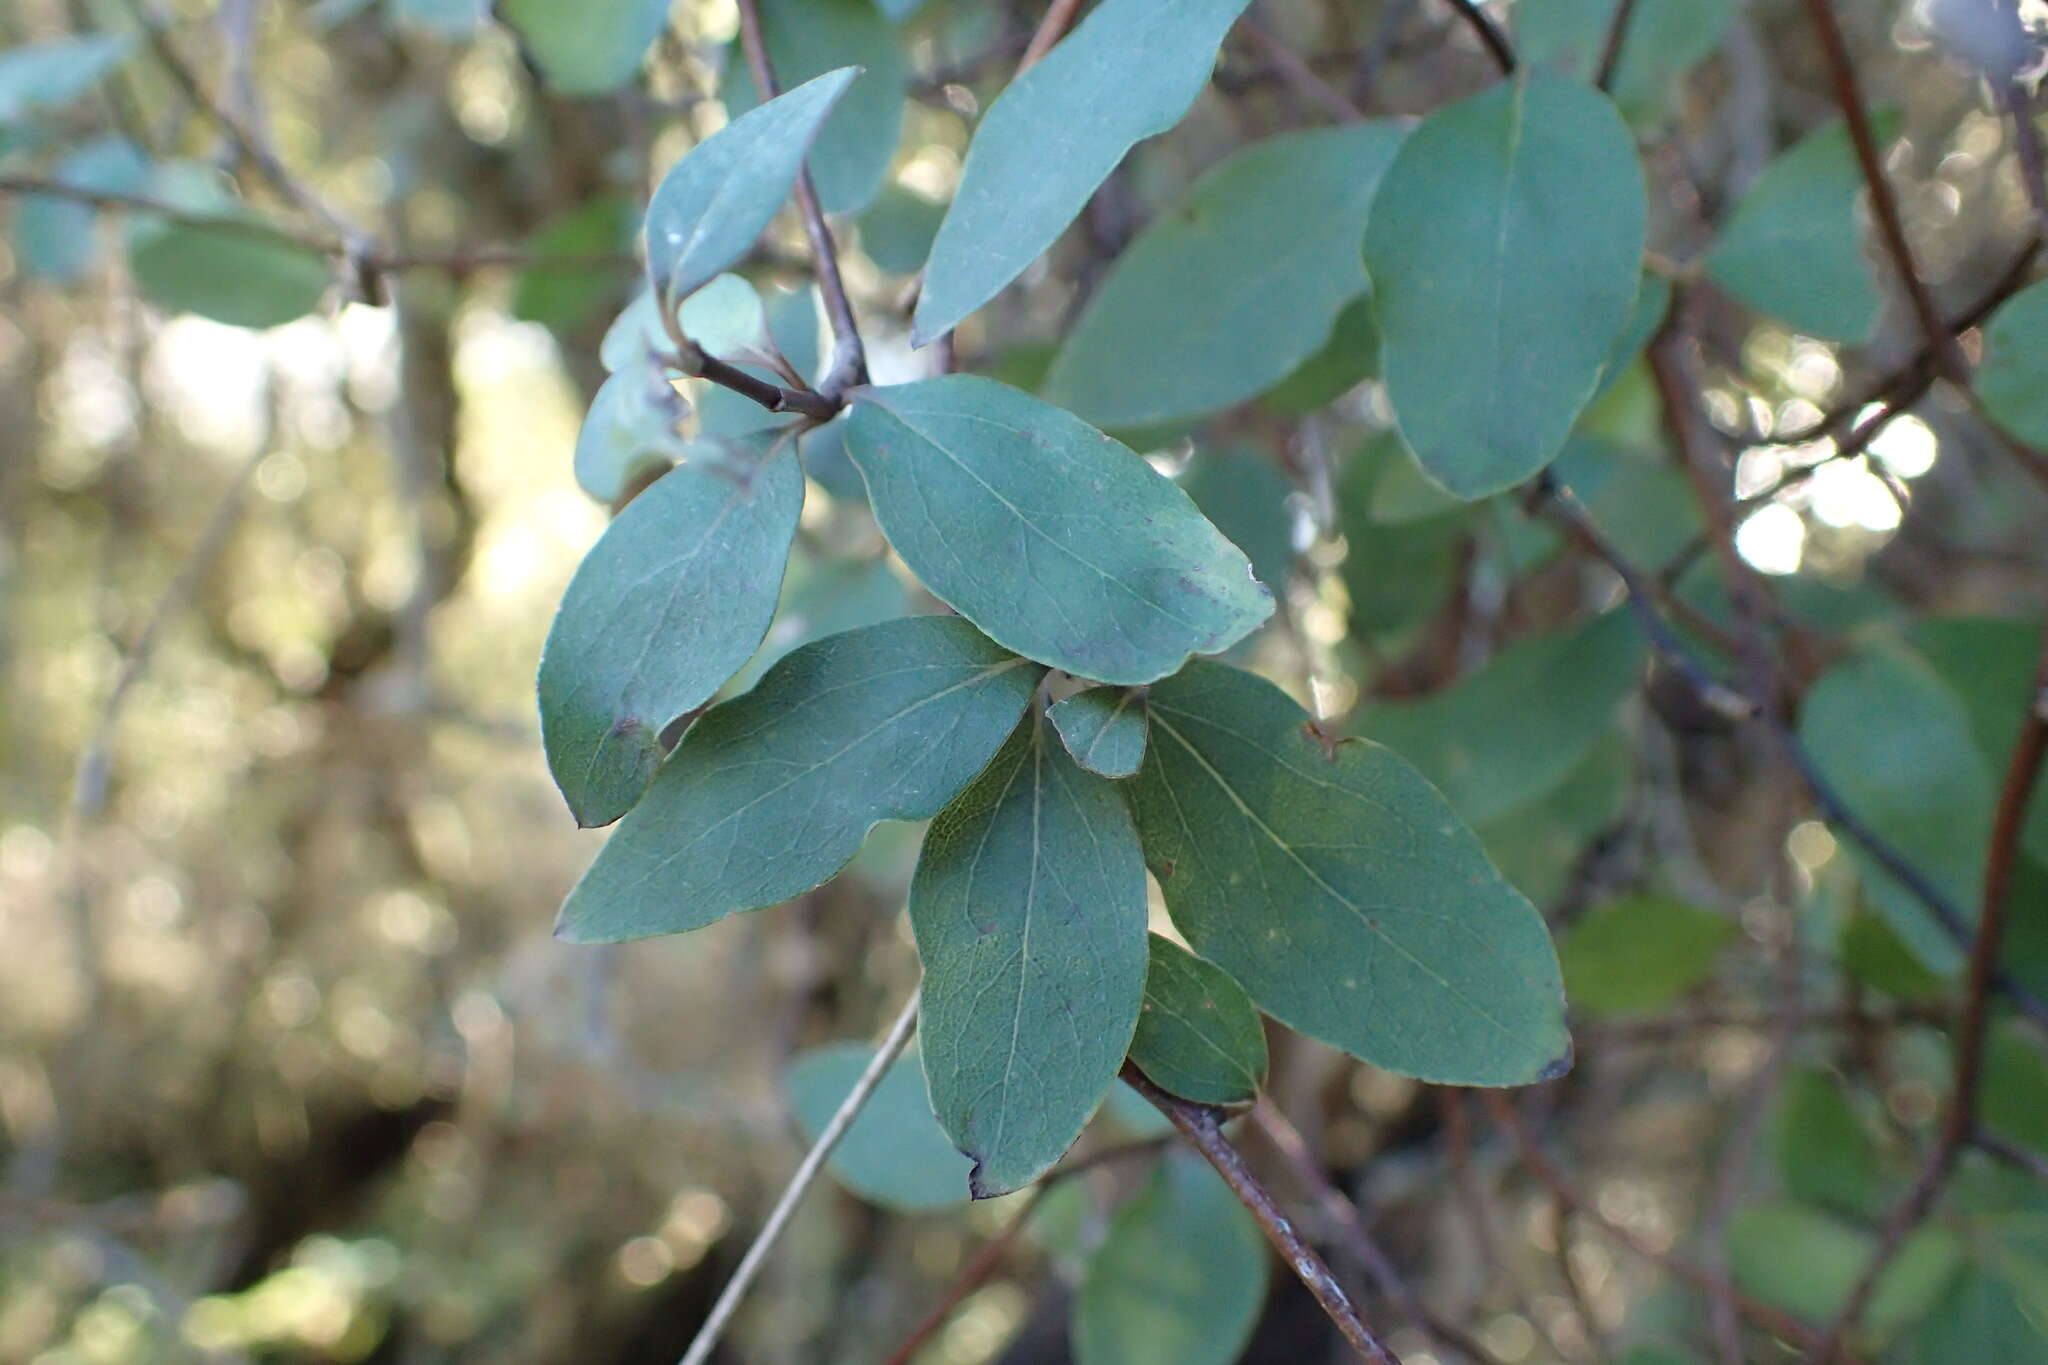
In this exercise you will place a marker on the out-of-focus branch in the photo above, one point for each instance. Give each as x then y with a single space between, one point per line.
1490 37
1610 50
1059 16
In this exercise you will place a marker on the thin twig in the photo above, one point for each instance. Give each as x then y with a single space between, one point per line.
849 357
1610 51
1298 74
1203 1128
1490 36
1884 204
807 1170
2012 1153
2022 775
2026 142
1058 17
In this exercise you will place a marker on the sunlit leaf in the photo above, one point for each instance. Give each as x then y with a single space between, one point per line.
1128 71
895 1154
1225 294
1057 541
1504 252
1029 911
1199 1036
1180 1278
771 793
1343 893
630 430
713 204
670 602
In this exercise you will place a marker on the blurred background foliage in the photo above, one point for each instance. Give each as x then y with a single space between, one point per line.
290 1066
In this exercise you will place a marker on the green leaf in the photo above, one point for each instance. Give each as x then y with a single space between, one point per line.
1057 541
1666 38
1244 495
1981 1317
1199 1036
1895 742
820 599
1395 575
1129 71
1805 1262
669 603
1180 1278
1538 847
563 293
1825 1153
771 793
57 237
1989 663
1103 728
38 76
1875 955
1341 890
1646 315
713 204
1503 736
1639 953
807 38
2015 1080
726 318
635 335
897 230
2013 380
894 1154
1792 251
1029 911
225 271
1223 296
1504 251
589 48
1350 355
448 18
630 431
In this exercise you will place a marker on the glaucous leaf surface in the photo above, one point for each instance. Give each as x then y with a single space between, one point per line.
1503 736
1639 953
1825 1153
1103 728
1792 250
56 237
225 272
1029 911
807 38
1504 250
1225 294
630 430
636 334
38 76
670 602
770 794
1180 1278
2013 380
1340 889
1895 742
1199 1036
1059 542
894 1154
1244 495
1127 72
713 204
1805 1262
1665 39
589 48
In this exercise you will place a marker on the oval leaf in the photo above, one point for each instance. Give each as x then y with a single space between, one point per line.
1029 910
1128 72
712 205
1640 953
226 271
1057 541
631 428
1341 890
1504 249
770 794
589 48
895 1154
670 602
1180 1278
1103 728
1222 297
1199 1035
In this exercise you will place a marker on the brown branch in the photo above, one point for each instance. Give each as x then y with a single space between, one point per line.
1203 1128
1490 37
1884 204
1610 51
2026 140
1296 72
849 357
1959 1123
1708 1282
1058 17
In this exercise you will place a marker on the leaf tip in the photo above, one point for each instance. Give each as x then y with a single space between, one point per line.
1557 1067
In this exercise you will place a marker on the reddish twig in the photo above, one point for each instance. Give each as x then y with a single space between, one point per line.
1058 16
1959 1122
1202 1126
